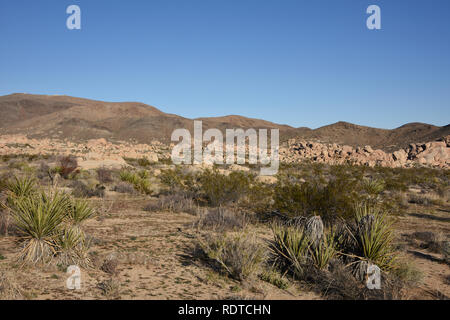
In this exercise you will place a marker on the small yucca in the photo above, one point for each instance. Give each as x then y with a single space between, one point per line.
322 253
290 247
79 211
372 186
21 187
71 248
374 236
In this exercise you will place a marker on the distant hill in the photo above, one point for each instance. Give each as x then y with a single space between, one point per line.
65 117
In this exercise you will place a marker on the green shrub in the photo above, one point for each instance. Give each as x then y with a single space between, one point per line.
336 199
219 189
175 180
273 277
139 180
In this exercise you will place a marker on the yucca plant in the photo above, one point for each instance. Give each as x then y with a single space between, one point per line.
39 218
71 248
322 253
290 247
373 236
79 211
372 186
21 187
314 230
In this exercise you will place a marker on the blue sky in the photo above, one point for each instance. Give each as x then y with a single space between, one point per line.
303 63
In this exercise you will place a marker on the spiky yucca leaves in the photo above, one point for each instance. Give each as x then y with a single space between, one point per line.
21 187
373 237
322 253
72 248
38 218
80 210
372 186
290 247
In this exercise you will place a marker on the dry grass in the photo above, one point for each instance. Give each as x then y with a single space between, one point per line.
10 288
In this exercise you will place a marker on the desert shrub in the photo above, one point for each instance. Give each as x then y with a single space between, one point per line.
372 187
239 255
139 180
82 190
104 175
273 277
339 283
219 189
408 273
43 171
258 198
110 288
67 166
110 266
124 187
173 203
302 245
333 200
221 219
176 180
50 225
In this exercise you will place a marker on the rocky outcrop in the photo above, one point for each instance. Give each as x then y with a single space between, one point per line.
431 154
91 154
98 152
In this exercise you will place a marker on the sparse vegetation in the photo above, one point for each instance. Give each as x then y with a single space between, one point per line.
239 255
328 223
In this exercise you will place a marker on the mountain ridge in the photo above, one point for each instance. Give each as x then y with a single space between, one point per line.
73 118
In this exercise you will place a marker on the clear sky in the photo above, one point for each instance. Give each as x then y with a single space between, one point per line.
303 63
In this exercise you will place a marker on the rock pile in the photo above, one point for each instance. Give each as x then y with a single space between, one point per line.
93 153
431 154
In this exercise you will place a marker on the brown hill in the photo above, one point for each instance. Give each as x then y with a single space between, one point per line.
64 117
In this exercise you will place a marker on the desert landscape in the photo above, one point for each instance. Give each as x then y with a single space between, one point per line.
91 183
